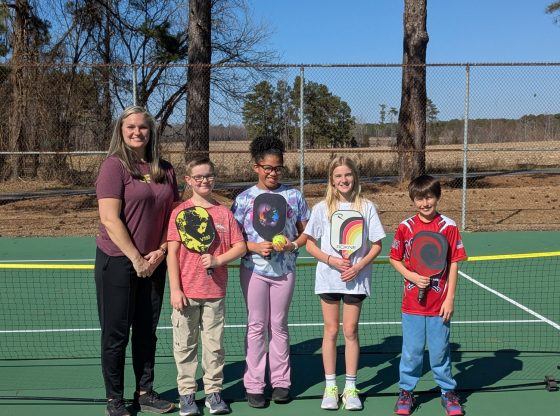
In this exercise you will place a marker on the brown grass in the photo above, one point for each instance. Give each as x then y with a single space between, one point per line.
514 202
501 203
233 159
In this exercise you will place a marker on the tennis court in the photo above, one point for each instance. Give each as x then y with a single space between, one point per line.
505 337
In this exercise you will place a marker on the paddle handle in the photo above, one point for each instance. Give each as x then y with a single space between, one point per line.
422 294
210 270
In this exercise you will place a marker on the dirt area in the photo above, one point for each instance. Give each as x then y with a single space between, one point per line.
500 203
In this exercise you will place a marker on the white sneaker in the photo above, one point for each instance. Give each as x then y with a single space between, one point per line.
350 399
330 398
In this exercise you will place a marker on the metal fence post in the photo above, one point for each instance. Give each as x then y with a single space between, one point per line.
301 137
465 148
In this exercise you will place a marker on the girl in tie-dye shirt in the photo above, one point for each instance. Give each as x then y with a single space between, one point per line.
268 284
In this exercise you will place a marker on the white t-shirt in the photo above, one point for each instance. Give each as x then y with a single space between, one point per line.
327 279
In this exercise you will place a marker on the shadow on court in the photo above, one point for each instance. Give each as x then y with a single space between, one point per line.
483 372
378 372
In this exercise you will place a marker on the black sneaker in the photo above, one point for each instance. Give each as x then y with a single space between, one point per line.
256 400
151 402
116 407
281 395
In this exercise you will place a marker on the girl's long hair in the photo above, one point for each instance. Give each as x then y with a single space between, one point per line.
332 197
128 157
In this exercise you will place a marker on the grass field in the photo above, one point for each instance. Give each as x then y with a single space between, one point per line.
233 159
518 190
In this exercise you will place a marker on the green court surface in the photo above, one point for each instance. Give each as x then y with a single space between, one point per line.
505 336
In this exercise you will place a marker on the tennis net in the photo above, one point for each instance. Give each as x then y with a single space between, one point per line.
506 302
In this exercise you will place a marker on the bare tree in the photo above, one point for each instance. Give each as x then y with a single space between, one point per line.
198 88
98 53
411 135
19 90
152 36
28 34
106 55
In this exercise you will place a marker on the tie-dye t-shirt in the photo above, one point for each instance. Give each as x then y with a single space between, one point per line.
280 263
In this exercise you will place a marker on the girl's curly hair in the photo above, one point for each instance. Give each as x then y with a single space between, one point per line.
262 146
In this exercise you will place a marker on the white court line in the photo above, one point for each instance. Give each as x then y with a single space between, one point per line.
38 331
513 302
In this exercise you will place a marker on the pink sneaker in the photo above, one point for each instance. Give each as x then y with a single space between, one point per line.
405 403
450 402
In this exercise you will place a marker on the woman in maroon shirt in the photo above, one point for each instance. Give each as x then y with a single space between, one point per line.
136 191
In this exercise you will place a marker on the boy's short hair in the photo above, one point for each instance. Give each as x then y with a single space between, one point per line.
197 161
423 186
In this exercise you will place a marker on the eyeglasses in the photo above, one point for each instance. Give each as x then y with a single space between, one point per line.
268 169
200 178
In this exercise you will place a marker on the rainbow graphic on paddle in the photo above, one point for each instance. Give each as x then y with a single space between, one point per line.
347 230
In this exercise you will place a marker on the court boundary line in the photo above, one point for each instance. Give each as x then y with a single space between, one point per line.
311 324
510 300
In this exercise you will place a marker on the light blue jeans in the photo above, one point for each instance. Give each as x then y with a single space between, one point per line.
418 329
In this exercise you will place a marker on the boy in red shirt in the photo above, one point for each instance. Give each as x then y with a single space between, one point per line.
198 298
430 320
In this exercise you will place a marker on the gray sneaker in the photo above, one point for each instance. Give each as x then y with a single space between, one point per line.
216 405
188 405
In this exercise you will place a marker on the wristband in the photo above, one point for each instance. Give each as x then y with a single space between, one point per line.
295 246
163 250
329 260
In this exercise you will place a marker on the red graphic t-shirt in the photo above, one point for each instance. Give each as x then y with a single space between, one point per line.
194 280
400 250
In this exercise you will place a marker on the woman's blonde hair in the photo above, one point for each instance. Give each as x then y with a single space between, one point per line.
129 159
332 196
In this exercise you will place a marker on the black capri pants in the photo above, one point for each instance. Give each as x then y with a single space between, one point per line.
126 301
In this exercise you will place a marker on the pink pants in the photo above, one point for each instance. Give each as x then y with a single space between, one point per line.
268 301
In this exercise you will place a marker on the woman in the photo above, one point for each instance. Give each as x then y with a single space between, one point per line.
136 191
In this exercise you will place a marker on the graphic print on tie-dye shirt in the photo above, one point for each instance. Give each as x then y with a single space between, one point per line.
297 210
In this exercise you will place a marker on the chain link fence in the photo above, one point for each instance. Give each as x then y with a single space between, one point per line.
493 130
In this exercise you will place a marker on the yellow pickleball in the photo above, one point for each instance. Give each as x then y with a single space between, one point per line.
279 240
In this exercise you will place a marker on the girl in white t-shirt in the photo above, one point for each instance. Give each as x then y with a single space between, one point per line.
342 279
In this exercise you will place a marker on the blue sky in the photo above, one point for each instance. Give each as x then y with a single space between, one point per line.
370 31
460 31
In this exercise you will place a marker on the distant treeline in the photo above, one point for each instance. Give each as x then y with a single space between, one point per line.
527 128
